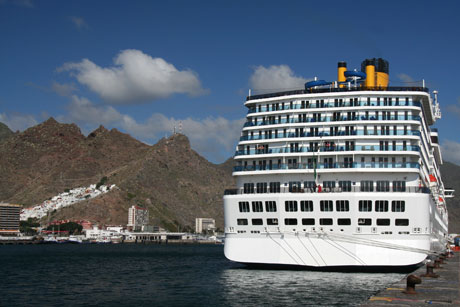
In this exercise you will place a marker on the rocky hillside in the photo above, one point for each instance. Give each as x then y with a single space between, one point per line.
169 178
451 178
5 132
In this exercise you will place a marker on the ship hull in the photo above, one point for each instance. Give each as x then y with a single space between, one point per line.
334 247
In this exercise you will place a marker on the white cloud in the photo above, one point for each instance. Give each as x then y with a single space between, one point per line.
451 151
18 121
63 89
214 138
79 22
275 77
136 77
82 111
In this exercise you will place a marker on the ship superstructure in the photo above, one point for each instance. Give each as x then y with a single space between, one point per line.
339 174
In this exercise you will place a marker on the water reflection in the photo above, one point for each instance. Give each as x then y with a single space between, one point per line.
241 286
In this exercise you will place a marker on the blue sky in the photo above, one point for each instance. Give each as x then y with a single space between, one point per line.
144 67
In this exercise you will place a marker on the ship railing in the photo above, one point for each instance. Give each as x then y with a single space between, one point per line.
327 148
329 119
348 189
321 134
313 105
338 90
336 165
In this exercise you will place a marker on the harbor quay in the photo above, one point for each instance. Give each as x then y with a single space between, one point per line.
109 237
435 283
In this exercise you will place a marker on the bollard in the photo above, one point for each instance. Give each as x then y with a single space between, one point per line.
437 264
441 259
429 271
412 280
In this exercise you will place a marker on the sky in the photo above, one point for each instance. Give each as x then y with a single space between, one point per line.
149 67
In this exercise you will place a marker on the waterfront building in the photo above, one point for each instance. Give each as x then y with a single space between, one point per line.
204 224
9 219
137 217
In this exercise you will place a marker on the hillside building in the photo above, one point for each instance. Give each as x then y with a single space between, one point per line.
9 219
202 224
137 217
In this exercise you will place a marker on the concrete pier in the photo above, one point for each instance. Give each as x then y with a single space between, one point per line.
443 290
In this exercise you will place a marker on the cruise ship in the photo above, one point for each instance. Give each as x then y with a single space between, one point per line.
339 175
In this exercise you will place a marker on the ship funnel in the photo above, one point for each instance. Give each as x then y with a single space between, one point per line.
370 73
341 68
380 77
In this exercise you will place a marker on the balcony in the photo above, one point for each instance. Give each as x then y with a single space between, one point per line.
329 119
321 166
330 148
352 189
314 105
321 134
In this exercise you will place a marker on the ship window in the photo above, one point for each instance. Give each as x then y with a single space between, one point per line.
242 222
294 186
257 206
329 185
308 221
345 186
365 222
290 221
342 205
365 205
367 186
343 222
261 187
381 205
290 205
383 185
306 205
398 206
326 205
270 206
401 222
248 188
272 222
399 186
325 221
309 185
244 206
257 222
274 187
383 222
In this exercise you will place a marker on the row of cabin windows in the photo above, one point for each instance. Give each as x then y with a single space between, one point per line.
338 102
324 221
344 185
324 205
336 116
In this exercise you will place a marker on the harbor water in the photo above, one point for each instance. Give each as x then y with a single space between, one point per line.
166 275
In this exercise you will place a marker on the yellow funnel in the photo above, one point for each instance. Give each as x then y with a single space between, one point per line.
370 76
341 69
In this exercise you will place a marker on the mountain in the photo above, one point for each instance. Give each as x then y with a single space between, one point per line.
175 183
5 132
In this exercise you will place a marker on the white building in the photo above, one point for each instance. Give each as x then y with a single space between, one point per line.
137 217
204 224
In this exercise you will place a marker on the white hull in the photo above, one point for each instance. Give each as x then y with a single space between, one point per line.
331 246
309 250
